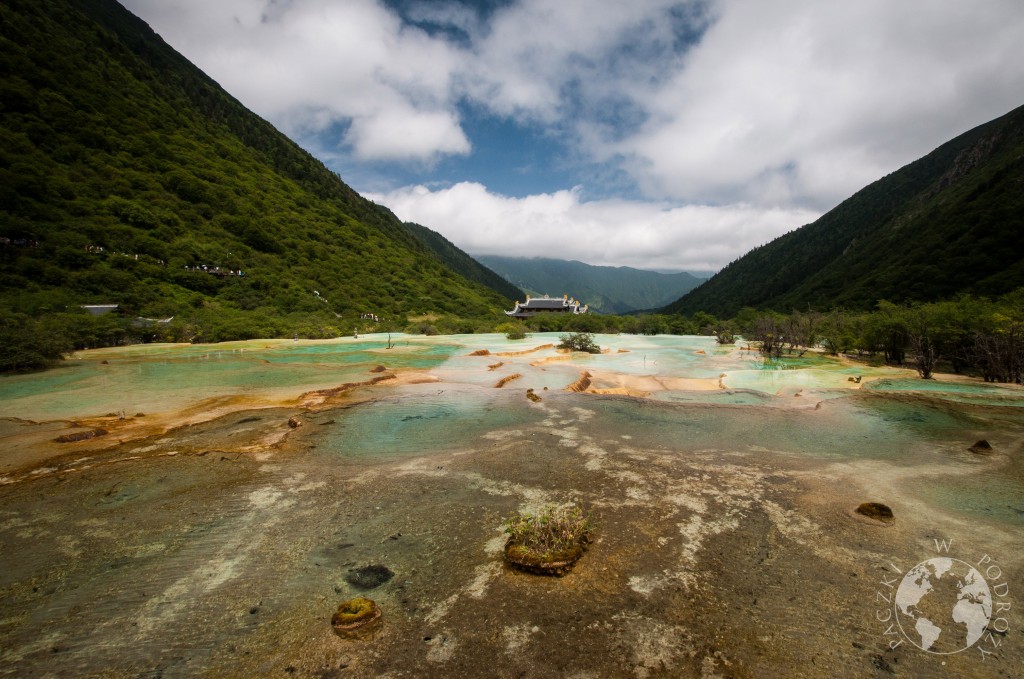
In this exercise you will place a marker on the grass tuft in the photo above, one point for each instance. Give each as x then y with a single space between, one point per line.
552 531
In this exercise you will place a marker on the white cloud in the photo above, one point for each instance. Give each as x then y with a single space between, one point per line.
779 110
604 232
792 102
524 61
803 102
309 64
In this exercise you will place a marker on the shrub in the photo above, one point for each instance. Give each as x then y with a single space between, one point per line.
579 341
552 531
512 331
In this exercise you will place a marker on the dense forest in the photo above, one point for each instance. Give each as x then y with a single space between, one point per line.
966 335
946 224
128 177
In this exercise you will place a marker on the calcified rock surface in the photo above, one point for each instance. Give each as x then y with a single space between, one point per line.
724 541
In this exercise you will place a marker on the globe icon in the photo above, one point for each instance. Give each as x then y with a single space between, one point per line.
943 605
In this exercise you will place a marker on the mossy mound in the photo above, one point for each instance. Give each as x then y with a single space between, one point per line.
557 564
982 447
876 511
356 618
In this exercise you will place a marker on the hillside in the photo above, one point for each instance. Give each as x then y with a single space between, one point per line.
458 260
129 177
947 223
608 289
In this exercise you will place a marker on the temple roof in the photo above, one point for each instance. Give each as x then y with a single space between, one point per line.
542 303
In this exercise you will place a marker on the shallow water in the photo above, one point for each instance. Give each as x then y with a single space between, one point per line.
959 392
221 548
162 378
420 421
805 407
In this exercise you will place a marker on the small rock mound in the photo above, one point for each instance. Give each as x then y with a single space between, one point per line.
532 396
505 380
524 559
582 384
481 352
981 447
356 618
876 511
378 369
80 436
294 422
369 577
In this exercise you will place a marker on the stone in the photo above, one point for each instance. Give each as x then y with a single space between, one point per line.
369 577
378 369
294 422
981 447
80 436
876 511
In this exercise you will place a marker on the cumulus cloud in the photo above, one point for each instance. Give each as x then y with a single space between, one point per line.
740 115
802 102
604 232
312 65
546 60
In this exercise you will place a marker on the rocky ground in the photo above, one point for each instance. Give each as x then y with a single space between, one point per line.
222 549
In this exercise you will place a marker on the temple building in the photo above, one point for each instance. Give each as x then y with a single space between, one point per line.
546 305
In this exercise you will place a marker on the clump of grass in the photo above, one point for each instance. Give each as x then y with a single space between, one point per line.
550 532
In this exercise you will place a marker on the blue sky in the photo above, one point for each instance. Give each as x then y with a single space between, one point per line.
662 134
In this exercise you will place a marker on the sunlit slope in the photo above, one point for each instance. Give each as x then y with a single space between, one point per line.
948 223
123 168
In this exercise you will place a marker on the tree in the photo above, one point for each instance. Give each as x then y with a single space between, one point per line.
768 331
579 341
999 350
887 332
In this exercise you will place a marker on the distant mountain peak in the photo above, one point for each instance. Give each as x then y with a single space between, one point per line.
606 289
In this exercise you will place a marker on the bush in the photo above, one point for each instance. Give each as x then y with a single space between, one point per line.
513 331
552 531
29 345
579 341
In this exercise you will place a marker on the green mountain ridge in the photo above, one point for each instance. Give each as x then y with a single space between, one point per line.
128 176
458 260
945 224
607 289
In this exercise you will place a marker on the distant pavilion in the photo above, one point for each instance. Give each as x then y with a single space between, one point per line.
546 305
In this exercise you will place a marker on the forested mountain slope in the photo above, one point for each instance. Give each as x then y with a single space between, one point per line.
608 289
127 176
947 223
458 260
